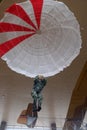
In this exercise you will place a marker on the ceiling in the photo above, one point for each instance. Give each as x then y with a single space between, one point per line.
15 89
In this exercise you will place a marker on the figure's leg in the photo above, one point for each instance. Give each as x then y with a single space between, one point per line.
34 96
40 98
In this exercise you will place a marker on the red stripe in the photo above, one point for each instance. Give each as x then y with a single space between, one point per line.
37 6
5 47
19 11
6 27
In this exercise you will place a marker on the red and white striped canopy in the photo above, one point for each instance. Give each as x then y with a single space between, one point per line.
39 37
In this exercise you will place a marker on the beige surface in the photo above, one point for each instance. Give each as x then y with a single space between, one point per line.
15 89
79 96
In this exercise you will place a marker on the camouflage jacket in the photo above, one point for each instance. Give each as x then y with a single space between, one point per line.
39 84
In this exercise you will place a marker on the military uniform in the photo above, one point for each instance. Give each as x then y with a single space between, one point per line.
36 92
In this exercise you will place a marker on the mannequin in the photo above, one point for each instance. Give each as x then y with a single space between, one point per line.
39 83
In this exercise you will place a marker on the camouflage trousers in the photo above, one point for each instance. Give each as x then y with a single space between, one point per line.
37 98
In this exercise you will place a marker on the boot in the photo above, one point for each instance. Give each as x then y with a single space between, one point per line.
34 107
39 108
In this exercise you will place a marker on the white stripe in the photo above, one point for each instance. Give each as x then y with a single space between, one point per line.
10 18
10 35
27 6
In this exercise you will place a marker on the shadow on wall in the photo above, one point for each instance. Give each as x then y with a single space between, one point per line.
78 117
0 0
80 111
79 114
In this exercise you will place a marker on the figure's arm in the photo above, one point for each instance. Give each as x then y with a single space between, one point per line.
44 81
40 78
36 79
